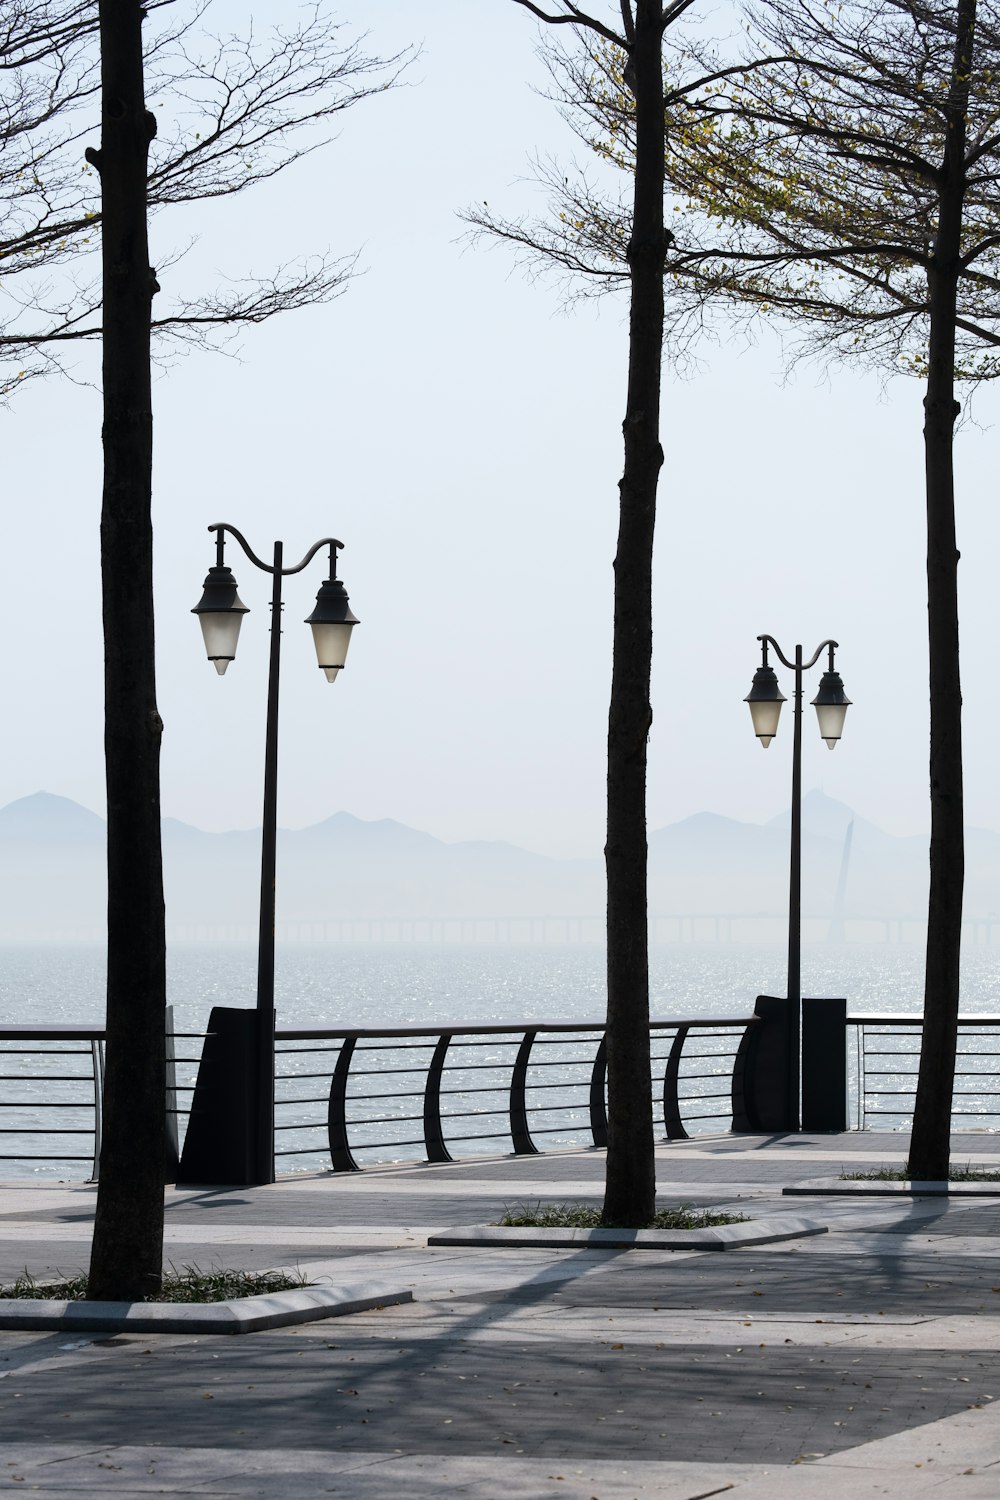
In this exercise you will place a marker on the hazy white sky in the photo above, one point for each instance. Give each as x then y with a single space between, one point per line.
461 434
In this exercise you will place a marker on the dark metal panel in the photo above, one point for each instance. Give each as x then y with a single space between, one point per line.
219 1148
768 1106
824 1064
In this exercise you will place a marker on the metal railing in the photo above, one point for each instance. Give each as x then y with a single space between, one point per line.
51 1103
52 1093
413 1092
885 1052
402 1093
348 1097
352 1097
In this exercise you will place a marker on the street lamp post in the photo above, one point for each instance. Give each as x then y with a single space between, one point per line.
220 611
831 703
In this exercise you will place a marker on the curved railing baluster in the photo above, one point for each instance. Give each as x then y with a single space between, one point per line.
434 1142
336 1122
672 1121
519 1133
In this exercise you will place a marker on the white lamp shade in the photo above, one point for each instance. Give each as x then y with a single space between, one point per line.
831 704
331 638
221 629
765 713
831 718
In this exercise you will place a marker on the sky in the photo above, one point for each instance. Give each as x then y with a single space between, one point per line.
459 429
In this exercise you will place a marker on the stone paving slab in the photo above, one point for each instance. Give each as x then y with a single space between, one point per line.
214 1234
886 1245
48 1261
746 1153
130 1471
810 1481
955 1457
347 1387
786 1281
970 1440
982 1220
663 1328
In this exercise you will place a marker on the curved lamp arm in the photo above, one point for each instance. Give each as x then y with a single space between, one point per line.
221 527
765 640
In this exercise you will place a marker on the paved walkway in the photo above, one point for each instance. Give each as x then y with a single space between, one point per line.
860 1362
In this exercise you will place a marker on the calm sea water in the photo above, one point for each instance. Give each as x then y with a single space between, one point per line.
346 985
353 985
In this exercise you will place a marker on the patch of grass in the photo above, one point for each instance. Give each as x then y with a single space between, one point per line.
968 1173
193 1285
582 1216
187 1285
68 1289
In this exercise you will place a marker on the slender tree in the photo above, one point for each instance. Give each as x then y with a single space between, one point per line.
843 175
630 1188
247 144
127 1254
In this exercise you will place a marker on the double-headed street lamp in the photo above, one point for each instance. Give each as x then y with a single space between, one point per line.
831 703
221 612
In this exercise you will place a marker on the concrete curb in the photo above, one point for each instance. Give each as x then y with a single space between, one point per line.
725 1237
828 1187
240 1315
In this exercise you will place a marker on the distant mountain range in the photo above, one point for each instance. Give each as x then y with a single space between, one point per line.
52 882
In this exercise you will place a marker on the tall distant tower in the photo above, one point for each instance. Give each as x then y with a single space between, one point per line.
837 932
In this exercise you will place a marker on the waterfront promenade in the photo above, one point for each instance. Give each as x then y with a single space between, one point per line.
864 1360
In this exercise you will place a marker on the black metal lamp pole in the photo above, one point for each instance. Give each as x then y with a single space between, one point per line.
831 703
221 612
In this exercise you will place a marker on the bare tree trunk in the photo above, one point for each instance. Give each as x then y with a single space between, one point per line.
630 1188
126 1260
930 1142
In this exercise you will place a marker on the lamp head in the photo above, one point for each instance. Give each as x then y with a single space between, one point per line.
765 699
332 621
220 611
831 704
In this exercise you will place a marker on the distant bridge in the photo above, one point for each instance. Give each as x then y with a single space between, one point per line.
664 928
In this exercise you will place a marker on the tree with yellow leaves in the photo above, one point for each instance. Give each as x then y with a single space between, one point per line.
636 36
842 174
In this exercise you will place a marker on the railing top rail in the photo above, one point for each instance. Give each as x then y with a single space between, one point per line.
52 1033
513 1028
915 1019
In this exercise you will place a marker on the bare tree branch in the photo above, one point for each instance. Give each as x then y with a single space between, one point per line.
575 17
674 12
232 111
